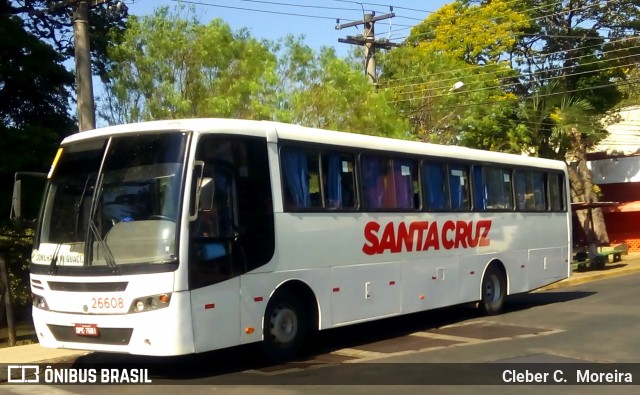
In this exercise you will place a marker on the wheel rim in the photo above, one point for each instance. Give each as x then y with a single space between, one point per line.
284 325
492 289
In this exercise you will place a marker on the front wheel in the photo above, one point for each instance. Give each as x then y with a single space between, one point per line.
494 291
285 327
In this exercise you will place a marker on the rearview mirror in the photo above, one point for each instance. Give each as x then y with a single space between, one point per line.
17 213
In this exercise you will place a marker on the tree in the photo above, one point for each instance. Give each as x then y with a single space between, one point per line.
35 86
575 57
34 99
34 109
169 67
172 67
333 93
586 45
51 22
441 52
474 33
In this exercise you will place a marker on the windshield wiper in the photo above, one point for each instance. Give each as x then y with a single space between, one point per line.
93 229
108 255
81 201
54 259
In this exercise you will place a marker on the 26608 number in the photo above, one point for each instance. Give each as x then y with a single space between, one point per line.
107 303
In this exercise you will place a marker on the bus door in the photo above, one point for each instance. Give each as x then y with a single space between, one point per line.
216 260
232 231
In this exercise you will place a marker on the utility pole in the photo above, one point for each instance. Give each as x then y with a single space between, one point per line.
84 84
368 41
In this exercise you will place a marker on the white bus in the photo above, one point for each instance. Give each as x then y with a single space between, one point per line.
184 236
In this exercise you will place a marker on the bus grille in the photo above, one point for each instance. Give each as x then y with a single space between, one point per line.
112 336
87 287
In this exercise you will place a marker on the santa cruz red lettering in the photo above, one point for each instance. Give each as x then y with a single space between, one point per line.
424 235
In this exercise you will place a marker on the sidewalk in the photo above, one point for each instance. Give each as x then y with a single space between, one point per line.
34 353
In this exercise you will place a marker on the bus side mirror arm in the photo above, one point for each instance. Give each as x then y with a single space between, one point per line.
16 199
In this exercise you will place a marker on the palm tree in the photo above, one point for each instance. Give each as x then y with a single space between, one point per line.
565 128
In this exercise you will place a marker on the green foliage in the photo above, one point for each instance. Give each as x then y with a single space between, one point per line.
631 91
51 22
15 244
588 48
475 34
525 67
427 90
332 94
34 104
169 67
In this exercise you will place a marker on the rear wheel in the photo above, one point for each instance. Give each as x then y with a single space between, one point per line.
494 291
285 327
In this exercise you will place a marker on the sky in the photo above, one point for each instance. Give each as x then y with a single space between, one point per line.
314 19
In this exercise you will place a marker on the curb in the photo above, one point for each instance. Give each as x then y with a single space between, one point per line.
582 279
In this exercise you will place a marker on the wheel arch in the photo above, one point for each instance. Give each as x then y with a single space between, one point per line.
308 298
498 264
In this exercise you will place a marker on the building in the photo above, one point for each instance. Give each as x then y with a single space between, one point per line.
615 167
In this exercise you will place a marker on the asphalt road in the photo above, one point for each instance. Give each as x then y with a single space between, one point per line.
453 350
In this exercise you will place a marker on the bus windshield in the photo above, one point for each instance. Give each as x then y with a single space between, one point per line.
113 202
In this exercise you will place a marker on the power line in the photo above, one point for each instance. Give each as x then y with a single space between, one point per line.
386 5
254 10
477 9
625 82
521 75
300 5
502 87
542 58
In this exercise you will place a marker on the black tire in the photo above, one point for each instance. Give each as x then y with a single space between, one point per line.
494 291
285 327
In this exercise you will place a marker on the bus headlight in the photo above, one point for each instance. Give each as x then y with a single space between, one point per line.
149 303
39 302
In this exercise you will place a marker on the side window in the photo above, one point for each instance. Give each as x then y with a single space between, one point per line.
556 192
530 190
479 189
338 180
459 187
234 229
315 179
217 214
498 188
301 176
435 186
389 183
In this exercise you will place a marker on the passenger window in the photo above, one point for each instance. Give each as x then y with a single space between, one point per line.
479 189
530 190
459 187
498 188
301 178
388 183
435 186
338 180
313 179
556 192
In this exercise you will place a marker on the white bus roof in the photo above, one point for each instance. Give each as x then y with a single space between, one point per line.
274 131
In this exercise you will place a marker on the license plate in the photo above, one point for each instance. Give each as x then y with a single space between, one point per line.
86 329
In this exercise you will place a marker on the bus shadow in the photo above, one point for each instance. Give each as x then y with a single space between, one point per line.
231 361
530 300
